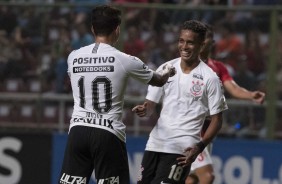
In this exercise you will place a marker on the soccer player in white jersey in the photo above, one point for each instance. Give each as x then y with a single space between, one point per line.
202 169
187 98
99 74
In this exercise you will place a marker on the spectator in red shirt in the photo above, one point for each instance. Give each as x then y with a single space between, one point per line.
133 45
229 46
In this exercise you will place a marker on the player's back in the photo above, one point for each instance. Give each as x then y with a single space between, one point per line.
99 75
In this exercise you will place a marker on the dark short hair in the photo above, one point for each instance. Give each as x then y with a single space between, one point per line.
196 27
105 19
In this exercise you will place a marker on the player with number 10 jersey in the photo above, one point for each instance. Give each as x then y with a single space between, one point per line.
99 74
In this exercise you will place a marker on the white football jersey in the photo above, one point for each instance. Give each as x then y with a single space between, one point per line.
99 74
186 100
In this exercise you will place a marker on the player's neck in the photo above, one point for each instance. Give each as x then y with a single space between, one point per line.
104 39
205 60
187 67
204 57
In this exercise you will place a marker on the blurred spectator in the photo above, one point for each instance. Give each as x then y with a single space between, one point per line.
28 61
10 58
159 51
81 36
46 69
242 20
243 76
279 66
264 2
61 50
228 47
30 24
133 45
212 16
61 68
279 80
179 16
8 20
254 52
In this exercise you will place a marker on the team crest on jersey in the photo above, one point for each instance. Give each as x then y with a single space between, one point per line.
197 88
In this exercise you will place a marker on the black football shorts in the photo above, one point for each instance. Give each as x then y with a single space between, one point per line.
161 168
95 149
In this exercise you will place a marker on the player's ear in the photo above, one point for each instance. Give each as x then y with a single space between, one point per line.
117 33
92 30
117 30
202 47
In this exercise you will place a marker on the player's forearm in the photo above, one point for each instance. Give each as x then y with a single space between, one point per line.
159 79
213 129
237 91
242 93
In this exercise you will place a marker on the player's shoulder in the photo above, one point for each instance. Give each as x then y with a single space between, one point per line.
204 66
81 50
72 55
127 57
216 62
208 71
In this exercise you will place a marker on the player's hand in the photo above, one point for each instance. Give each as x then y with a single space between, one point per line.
168 68
140 110
258 97
191 154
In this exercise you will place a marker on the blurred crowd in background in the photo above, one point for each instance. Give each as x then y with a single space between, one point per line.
36 40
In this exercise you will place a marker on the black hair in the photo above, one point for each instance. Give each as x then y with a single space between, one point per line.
197 27
105 19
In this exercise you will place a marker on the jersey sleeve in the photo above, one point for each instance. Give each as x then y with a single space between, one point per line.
217 102
137 69
224 74
155 93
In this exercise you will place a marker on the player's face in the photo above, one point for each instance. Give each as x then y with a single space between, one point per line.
189 46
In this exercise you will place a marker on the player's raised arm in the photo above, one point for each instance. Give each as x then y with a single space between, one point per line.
161 77
241 93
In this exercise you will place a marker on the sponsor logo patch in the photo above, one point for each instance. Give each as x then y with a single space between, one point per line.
110 180
68 179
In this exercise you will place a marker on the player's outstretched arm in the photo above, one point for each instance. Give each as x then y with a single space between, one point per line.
239 92
146 109
258 97
160 78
